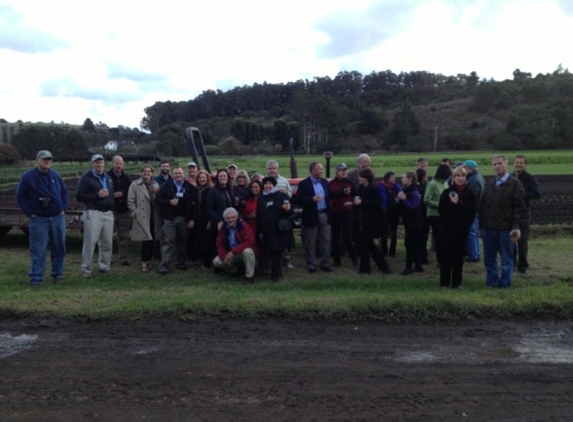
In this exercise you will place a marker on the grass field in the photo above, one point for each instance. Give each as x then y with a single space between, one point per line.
549 162
547 291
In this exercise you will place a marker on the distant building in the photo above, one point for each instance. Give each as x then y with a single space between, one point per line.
111 146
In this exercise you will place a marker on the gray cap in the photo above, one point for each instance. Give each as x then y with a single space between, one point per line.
341 166
44 154
96 157
232 166
191 164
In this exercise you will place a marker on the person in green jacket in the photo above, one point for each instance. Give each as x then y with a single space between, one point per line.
432 195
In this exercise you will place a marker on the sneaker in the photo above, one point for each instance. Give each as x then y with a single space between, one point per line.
58 280
290 266
87 275
104 271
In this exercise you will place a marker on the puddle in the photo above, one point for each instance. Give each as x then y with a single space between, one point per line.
546 347
416 357
12 344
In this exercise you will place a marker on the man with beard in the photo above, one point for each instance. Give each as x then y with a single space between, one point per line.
163 176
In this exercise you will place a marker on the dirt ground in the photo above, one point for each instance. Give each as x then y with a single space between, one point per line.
285 370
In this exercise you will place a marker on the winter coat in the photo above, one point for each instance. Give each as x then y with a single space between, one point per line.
87 191
269 210
218 201
338 198
34 185
185 207
460 216
370 214
245 239
389 201
410 208
502 207
142 206
121 183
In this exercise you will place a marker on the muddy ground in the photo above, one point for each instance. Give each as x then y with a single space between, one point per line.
281 370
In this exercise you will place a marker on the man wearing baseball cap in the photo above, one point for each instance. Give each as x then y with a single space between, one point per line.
476 183
192 173
232 170
43 197
94 190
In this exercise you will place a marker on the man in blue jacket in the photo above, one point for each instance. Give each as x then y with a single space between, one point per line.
43 197
313 195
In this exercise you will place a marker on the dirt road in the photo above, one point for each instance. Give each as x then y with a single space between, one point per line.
276 370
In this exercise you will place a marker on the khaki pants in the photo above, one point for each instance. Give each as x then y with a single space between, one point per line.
98 229
247 258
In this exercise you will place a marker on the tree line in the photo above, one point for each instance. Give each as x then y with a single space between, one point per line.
381 111
409 111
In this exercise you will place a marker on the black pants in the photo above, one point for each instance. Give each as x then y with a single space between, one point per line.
412 243
453 245
366 248
341 225
276 264
435 223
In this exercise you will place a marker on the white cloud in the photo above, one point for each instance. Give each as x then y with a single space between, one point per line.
67 60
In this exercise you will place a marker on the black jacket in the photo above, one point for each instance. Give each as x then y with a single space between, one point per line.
218 201
121 183
269 210
185 207
304 196
460 216
371 215
87 192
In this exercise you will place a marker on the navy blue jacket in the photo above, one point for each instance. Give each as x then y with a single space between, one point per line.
88 189
304 196
34 185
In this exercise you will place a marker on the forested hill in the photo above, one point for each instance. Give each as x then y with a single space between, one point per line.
415 111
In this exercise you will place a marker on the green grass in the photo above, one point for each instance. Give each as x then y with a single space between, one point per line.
343 295
547 162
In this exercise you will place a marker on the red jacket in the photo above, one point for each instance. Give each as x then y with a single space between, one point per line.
338 197
245 239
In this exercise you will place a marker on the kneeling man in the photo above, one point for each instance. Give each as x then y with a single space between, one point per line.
235 244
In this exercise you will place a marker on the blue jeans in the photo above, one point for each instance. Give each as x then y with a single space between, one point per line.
473 239
494 242
47 232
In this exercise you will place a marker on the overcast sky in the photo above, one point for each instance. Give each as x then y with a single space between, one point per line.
108 60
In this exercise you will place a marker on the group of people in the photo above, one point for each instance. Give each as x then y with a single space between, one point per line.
232 223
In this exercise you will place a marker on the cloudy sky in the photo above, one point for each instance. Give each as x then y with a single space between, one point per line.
67 60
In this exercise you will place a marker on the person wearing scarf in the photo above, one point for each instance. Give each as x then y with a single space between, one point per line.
146 219
457 209
272 206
